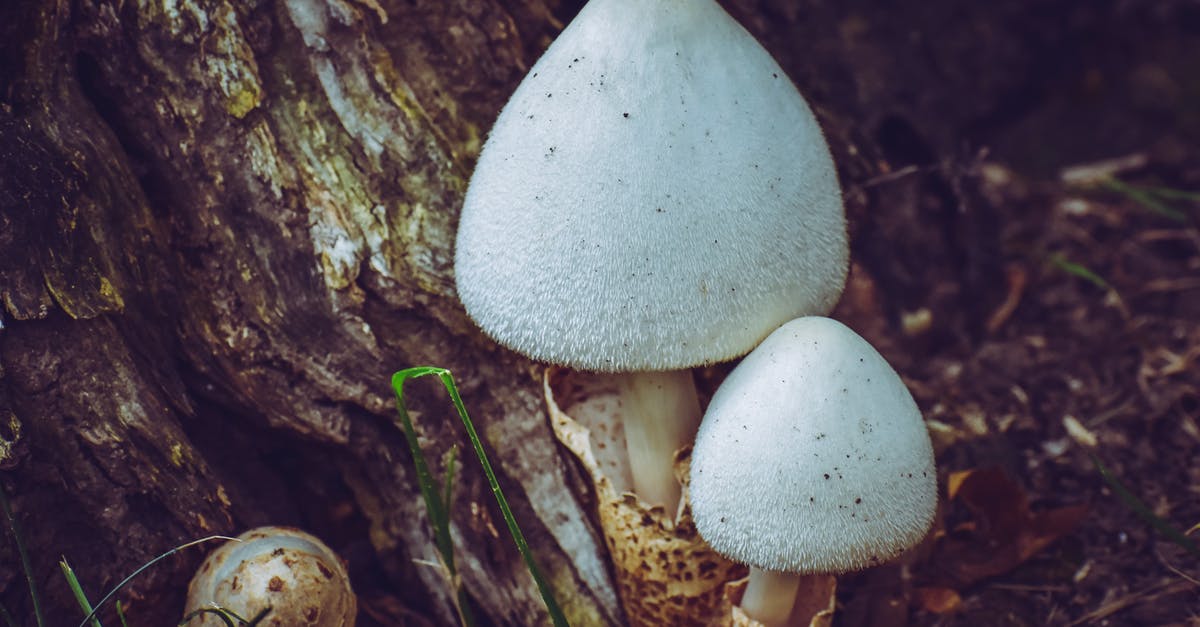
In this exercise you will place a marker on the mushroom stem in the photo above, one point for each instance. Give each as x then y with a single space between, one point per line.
770 595
662 414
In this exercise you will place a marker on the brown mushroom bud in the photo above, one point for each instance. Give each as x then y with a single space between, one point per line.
293 573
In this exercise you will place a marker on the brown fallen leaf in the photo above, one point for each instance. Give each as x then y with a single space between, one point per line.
937 600
1005 532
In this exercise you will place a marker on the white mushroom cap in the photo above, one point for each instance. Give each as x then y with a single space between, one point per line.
813 457
655 195
288 570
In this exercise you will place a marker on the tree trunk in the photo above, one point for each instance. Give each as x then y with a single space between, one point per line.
223 225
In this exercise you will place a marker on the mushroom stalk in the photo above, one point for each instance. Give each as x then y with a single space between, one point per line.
770 595
662 414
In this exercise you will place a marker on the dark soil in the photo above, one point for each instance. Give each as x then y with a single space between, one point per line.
1083 350
1093 357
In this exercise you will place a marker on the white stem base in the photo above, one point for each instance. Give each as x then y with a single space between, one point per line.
769 596
662 414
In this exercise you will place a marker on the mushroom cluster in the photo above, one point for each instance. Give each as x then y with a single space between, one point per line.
656 195
812 458
287 570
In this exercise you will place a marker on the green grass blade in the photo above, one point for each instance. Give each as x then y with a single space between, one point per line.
447 379
143 567
448 483
462 605
438 514
1145 198
121 614
1081 271
259 617
1170 193
1163 527
26 564
556 614
77 590
230 620
435 504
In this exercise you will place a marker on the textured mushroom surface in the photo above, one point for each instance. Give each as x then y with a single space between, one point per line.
292 572
813 456
655 195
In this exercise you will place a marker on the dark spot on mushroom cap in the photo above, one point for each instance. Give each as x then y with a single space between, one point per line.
325 570
312 614
275 584
826 475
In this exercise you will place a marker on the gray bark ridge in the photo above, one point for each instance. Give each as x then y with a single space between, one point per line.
239 218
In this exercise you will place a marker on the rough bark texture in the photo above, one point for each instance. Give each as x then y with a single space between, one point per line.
224 224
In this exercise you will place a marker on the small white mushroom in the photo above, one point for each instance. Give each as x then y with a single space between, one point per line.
292 572
812 458
656 195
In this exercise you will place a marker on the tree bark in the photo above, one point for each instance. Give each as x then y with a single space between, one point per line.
225 224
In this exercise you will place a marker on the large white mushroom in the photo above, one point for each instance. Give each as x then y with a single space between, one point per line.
812 458
656 195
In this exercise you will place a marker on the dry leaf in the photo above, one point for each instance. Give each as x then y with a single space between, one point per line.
937 600
1004 532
